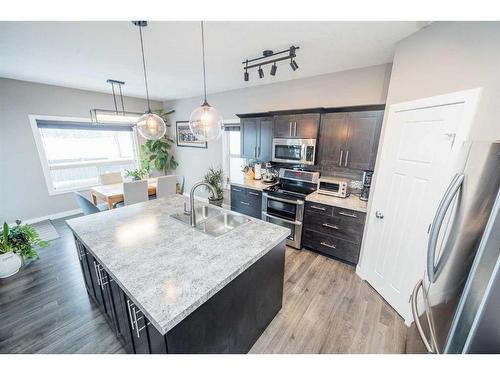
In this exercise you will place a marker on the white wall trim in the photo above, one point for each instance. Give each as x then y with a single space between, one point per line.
55 216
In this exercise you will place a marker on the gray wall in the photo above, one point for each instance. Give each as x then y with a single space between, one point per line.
352 87
23 192
447 57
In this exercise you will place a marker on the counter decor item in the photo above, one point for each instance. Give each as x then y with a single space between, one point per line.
157 154
138 174
185 138
215 177
17 243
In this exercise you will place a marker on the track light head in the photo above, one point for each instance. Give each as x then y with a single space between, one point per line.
273 69
246 76
261 72
294 65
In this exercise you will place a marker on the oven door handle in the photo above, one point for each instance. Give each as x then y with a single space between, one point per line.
279 218
283 200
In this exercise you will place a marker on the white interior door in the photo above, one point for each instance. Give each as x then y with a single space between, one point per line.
422 142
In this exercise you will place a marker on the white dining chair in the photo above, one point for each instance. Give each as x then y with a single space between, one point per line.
110 178
166 186
135 192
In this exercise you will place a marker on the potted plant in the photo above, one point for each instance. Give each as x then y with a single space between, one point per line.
17 244
138 174
157 154
214 177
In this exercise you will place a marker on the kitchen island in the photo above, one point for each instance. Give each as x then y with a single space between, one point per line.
166 287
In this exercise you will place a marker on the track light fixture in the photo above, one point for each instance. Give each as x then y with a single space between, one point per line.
273 70
261 72
270 57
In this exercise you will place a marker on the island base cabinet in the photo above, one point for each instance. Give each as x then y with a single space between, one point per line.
235 317
229 322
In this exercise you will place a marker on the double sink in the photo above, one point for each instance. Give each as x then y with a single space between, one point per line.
212 221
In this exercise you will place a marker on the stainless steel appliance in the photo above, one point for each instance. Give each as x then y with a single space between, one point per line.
367 182
334 186
454 239
295 151
283 203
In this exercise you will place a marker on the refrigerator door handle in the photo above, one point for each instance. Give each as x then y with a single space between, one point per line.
443 207
414 312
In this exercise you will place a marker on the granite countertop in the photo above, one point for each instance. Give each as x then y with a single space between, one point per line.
352 202
166 267
241 180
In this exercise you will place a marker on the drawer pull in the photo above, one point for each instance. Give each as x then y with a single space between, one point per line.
245 203
319 208
328 245
251 192
330 226
235 189
346 214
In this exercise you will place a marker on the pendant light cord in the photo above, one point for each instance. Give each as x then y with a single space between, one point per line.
144 67
204 72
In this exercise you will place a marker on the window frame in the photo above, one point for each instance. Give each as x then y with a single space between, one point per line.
43 158
226 154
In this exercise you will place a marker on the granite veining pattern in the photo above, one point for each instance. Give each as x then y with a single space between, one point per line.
352 202
166 267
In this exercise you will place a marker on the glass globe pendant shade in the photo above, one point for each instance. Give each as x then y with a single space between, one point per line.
205 123
151 126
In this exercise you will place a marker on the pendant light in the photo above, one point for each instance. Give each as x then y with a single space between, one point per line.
150 125
205 122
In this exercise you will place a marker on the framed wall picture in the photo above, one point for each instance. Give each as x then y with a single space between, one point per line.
185 138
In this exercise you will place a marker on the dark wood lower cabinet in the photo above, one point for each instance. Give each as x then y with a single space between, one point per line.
229 322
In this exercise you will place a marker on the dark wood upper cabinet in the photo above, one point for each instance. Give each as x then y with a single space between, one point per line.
296 126
349 139
332 139
257 138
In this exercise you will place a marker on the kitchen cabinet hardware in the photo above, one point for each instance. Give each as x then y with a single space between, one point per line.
347 214
245 203
330 226
318 208
236 189
328 245
97 273
340 159
253 193
346 158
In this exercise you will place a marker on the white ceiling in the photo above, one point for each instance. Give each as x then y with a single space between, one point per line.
84 54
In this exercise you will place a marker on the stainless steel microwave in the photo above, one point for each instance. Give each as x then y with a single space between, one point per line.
335 186
295 151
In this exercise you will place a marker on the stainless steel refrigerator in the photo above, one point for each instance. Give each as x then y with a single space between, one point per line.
445 303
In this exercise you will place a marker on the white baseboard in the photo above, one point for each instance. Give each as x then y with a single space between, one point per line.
55 216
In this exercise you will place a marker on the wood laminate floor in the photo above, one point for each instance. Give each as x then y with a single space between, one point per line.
326 309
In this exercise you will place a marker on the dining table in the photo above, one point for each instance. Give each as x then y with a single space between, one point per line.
113 193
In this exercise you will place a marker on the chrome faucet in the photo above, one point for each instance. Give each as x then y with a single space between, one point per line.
192 218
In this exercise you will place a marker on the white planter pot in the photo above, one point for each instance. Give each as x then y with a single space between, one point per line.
10 264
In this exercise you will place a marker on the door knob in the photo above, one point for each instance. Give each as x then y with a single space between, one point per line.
379 215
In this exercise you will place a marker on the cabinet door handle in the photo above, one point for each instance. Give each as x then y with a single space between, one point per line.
340 159
97 274
295 129
258 151
130 314
346 214
245 203
255 152
253 193
346 158
136 319
318 208
290 128
235 189
330 226
328 245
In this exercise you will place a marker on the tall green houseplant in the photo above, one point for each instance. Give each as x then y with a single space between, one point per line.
158 154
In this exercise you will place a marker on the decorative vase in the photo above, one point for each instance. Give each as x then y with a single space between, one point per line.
10 263
216 202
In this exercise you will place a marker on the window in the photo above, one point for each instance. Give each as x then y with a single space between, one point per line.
75 153
232 162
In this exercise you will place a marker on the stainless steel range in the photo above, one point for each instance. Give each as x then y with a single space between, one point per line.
283 204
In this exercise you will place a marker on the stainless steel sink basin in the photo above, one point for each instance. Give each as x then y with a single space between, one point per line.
202 213
221 224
